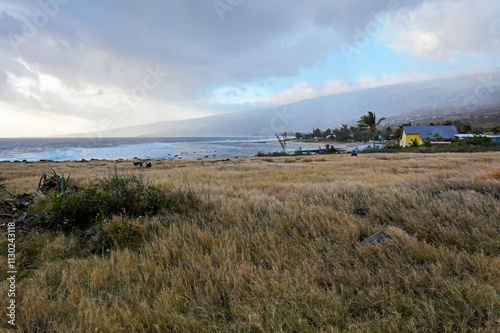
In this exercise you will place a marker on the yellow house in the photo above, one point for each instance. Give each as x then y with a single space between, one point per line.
420 133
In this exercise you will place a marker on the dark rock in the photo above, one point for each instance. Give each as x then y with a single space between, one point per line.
362 211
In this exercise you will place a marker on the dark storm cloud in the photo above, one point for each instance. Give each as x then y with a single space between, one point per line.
257 39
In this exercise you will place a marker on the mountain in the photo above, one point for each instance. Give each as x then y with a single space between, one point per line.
463 95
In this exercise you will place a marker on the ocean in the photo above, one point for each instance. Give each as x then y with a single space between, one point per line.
69 149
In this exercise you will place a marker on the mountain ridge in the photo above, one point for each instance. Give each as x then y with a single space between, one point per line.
464 94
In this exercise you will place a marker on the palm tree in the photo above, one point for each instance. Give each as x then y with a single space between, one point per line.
369 122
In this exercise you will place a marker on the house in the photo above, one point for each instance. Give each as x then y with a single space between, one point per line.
420 133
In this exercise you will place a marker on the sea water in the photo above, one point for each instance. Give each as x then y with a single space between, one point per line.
68 149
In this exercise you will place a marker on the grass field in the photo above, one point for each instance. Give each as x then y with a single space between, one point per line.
274 245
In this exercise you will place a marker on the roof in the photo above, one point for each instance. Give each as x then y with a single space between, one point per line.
428 132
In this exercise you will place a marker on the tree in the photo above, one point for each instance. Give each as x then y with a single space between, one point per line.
388 132
398 133
282 141
343 133
369 122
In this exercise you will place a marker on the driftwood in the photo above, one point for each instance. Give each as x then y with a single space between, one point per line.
52 182
19 202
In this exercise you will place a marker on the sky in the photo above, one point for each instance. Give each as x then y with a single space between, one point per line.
73 66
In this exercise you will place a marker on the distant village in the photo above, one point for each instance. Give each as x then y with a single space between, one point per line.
407 135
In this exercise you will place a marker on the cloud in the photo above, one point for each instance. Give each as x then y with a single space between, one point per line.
305 90
92 59
331 87
368 82
297 92
440 28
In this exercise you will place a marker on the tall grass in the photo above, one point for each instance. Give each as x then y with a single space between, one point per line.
277 247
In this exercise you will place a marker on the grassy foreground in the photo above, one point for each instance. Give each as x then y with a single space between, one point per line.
273 245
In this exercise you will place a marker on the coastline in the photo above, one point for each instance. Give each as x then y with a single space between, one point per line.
187 152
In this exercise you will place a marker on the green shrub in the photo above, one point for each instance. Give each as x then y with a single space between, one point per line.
394 146
273 154
377 149
414 143
476 141
453 148
127 195
261 154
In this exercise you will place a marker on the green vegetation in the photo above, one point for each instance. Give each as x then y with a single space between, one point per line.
476 141
129 195
452 149
468 145
272 154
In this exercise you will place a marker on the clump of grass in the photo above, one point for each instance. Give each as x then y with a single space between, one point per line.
121 231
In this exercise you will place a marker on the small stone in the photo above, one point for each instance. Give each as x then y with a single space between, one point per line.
379 236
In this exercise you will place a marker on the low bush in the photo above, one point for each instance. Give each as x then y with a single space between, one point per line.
273 154
394 146
476 141
129 195
377 149
453 148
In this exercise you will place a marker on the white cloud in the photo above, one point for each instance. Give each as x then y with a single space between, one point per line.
39 123
438 28
305 90
297 92
367 82
49 83
331 87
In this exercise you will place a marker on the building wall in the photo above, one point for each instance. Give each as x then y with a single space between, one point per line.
406 139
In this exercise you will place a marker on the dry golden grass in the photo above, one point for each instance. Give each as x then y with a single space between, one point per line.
276 247
493 174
